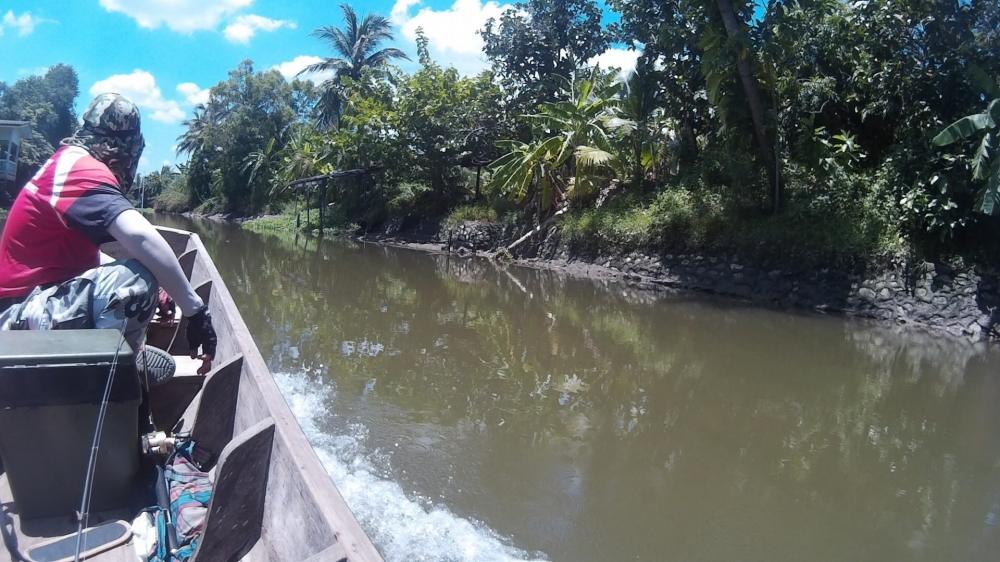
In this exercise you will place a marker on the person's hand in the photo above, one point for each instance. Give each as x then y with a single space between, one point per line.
200 333
165 309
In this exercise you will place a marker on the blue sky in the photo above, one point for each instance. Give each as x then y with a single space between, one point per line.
165 54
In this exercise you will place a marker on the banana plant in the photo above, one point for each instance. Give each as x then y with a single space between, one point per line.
576 153
985 161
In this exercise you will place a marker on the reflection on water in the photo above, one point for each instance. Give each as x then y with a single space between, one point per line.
459 402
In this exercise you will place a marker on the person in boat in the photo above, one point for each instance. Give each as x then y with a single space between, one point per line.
52 272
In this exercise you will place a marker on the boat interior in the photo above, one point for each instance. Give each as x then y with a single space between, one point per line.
271 498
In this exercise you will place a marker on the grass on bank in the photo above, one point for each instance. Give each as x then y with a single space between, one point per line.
806 233
293 218
472 212
679 219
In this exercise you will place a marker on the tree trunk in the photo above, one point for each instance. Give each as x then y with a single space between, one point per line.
755 102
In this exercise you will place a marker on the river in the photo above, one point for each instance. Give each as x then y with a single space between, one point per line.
473 412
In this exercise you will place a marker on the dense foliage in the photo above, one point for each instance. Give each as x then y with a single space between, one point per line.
47 102
795 128
836 130
234 139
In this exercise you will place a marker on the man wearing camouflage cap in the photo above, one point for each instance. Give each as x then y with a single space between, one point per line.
52 273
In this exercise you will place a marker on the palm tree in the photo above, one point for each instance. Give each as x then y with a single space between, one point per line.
736 31
637 120
194 138
357 46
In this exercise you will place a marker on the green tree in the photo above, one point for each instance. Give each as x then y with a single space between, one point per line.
638 121
443 116
536 42
739 48
234 140
670 64
47 102
357 47
195 136
877 73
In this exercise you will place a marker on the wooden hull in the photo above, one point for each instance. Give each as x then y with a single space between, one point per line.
303 516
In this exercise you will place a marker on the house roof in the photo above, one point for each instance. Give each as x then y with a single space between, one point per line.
25 126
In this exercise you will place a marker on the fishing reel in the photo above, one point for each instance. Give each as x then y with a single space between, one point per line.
161 444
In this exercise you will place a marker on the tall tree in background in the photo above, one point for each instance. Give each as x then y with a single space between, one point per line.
357 47
737 34
538 44
47 102
670 63
247 119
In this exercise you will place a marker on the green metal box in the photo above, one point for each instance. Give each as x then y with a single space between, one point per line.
51 386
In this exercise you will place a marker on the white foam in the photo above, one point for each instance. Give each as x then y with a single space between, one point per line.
403 528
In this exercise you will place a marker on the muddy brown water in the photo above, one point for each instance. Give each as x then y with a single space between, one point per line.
472 412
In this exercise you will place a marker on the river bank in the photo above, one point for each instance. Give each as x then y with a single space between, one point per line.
953 298
957 299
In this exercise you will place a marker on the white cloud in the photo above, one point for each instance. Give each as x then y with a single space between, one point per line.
290 69
140 87
24 23
622 59
245 27
184 16
453 33
192 93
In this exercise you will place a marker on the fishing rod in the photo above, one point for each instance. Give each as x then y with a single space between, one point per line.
88 483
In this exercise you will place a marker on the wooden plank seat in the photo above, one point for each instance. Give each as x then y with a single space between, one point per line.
169 401
236 512
214 419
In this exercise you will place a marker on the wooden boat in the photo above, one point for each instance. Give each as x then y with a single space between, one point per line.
272 500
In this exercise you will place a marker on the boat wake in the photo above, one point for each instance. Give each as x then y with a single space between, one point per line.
403 528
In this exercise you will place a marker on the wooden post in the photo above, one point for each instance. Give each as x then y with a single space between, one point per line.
322 197
479 171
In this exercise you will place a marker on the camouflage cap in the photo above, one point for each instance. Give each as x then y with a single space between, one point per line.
111 134
112 114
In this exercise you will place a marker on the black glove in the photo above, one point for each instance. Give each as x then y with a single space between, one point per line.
201 333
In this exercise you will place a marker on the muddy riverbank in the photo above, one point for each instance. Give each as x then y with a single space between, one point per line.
951 298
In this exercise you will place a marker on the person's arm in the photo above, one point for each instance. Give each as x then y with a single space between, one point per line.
141 240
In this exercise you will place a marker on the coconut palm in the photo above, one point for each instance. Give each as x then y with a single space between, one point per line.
637 122
357 45
194 138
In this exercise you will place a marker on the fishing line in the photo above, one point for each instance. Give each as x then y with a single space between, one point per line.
88 483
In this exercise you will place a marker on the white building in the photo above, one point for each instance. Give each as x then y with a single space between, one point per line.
11 133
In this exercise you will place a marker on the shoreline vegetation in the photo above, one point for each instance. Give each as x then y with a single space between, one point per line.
854 137
827 143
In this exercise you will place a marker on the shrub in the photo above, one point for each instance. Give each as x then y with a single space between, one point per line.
474 212
173 200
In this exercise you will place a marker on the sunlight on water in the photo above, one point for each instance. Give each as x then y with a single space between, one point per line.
403 528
